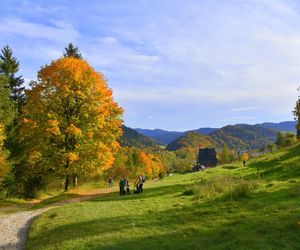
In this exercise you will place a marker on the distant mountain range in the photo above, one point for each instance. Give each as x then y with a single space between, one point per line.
162 136
166 137
289 126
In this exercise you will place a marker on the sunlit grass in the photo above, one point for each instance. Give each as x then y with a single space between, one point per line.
252 207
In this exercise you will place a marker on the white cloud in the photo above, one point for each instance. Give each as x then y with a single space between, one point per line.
223 57
242 109
58 30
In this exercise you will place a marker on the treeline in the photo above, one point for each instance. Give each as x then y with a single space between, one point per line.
66 126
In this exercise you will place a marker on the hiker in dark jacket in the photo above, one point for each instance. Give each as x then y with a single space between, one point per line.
122 185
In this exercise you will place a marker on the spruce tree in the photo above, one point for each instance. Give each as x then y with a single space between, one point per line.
7 107
9 66
72 51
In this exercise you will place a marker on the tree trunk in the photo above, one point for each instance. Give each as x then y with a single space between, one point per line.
67 183
74 180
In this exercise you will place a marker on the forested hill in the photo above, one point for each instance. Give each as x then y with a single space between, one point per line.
192 140
243 136
235 136
166 137
289 126
132 138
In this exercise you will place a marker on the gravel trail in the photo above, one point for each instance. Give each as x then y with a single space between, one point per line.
13 228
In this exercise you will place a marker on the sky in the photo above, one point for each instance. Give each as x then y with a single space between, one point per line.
171 64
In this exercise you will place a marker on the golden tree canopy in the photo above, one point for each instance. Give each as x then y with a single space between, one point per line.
71 122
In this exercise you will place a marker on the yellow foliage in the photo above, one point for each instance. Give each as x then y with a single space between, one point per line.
71 157
53 123
26 120
73 130
53 130
34 155
90 134
245 156
73 104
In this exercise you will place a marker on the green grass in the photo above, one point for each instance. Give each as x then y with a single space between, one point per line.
10 205
49 197
228 207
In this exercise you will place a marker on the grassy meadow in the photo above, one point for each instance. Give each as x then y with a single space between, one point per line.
228 207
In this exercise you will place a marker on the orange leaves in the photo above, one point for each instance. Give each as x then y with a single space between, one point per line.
34 155
134 162
73 105
26 120
73 130
71 157
53 131
69 73
52 123
90 134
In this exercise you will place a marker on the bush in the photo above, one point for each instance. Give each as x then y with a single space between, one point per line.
226 187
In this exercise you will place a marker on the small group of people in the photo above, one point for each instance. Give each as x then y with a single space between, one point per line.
125 187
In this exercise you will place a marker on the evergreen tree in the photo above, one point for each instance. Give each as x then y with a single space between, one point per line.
72 51
7 107
9 66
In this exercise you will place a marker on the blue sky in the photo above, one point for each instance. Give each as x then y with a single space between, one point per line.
172 64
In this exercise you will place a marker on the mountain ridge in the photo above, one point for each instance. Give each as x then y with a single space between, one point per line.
165 136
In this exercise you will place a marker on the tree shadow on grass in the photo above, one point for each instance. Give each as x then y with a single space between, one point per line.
148 193
277 168
250 224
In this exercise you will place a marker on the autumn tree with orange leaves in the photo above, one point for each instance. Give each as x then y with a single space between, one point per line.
70 122
132 162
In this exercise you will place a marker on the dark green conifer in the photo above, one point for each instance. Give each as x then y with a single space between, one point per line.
72 51
9 66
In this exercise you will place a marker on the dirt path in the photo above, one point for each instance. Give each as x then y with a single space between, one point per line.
14 227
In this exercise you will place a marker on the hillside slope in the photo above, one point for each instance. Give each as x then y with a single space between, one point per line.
244 136
165 136
289 126
227 207
190 139
132 138
239 137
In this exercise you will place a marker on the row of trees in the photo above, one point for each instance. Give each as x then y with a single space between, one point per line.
285 139
131 162
11 101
